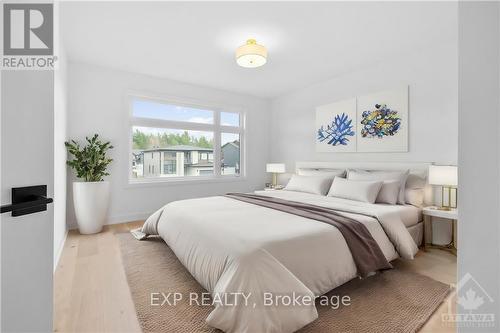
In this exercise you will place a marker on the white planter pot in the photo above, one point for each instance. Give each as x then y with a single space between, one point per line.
91 200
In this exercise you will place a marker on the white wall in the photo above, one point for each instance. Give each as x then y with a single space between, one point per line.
60 122
479 154
432 77
433 103
97 104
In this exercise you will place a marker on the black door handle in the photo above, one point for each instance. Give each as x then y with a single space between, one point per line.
38 201
27 200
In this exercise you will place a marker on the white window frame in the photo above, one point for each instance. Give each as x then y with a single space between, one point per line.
216 128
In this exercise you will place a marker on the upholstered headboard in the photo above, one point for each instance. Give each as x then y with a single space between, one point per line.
418 168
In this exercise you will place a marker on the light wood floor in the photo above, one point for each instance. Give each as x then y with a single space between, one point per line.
91 292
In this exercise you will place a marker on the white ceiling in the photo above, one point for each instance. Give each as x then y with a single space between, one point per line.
307 42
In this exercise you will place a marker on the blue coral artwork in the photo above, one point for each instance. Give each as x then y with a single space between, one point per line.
338 132
335 130
380 122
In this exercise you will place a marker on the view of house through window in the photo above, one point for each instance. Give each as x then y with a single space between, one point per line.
166 150
162 152
230 154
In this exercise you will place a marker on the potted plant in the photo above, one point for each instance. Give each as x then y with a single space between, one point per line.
91 195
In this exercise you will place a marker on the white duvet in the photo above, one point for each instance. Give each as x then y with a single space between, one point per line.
233 247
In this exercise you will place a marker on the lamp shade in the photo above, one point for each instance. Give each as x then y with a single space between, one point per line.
446 175
251 54
275 167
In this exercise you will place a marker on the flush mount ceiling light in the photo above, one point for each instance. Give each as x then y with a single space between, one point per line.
251 54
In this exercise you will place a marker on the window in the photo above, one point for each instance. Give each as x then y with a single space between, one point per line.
169 163
181 141
229 119
230 154
149 109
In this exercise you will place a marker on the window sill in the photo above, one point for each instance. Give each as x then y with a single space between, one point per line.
153 182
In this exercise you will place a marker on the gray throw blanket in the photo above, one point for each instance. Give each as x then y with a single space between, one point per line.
365 251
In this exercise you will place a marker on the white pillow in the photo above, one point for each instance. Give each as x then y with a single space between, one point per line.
309 184
321 172
415 181
389 192
384 176
358 190
414 191
414 196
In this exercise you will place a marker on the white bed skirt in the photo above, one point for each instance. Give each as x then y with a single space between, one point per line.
417 232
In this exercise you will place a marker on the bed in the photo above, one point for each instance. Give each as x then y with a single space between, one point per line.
254 254
411 216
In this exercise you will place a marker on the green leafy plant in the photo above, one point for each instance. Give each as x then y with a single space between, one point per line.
90 162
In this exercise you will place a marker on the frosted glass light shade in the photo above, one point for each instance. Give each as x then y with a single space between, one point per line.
251 54
446 175
275 167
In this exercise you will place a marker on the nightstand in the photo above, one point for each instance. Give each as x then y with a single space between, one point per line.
429 213
266 189
277 188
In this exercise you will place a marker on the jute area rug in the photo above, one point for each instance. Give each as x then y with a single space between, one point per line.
393 301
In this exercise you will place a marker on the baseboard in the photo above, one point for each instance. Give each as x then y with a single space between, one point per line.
59 252
127 218
117 219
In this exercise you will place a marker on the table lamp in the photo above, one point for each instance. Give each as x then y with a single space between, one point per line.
275 168
445 176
